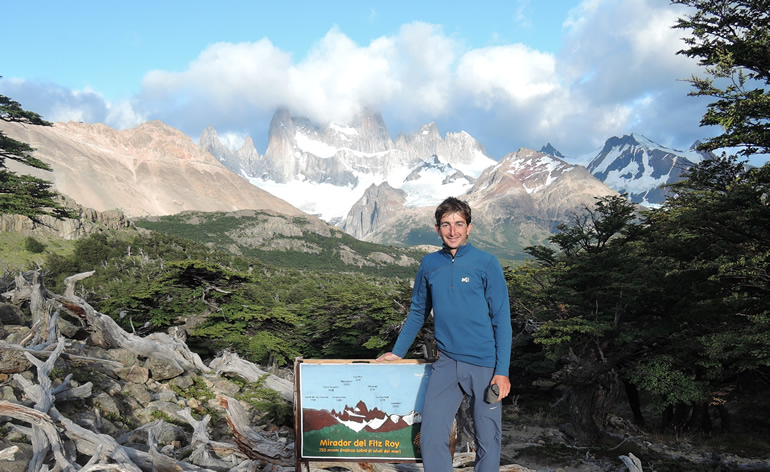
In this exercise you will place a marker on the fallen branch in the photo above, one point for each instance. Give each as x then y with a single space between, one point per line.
46 354
251 442
44 435
231 363
112 335
631 462
69 282
207 453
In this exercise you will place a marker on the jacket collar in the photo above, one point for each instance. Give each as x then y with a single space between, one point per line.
460 250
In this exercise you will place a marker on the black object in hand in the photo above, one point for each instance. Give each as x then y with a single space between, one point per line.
493 391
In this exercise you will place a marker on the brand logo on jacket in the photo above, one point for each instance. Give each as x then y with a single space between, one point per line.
465 280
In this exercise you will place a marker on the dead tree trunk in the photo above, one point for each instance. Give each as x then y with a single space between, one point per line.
592 389
251 442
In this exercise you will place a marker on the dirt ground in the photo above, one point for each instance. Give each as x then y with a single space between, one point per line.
543 446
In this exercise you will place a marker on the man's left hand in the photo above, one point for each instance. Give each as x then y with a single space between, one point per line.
503 384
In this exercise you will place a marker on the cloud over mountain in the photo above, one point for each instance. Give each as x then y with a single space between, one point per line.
617 71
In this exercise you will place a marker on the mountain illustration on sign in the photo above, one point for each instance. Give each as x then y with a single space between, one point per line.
358 418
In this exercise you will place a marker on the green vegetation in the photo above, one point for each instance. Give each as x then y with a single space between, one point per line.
82 373
671 302
33 245
14 255
163 416
265 313
259 236
731 40
198 391
267 402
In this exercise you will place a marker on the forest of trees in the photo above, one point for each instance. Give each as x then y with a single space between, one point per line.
670 303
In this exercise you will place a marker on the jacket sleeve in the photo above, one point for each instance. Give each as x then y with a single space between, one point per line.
418 311
500 314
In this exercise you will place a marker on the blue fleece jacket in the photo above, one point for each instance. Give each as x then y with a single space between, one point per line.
469 299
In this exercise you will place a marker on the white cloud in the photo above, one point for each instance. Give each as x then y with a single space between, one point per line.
521 16
338 78
510 73
121 115
225 74
232 140
617 73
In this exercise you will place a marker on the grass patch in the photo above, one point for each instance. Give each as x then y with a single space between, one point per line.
163 416
15 256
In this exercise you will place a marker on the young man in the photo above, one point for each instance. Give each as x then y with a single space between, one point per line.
466 290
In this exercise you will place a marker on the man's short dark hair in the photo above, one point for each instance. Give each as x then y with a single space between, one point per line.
453 205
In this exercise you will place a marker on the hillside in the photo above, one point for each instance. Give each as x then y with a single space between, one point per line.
152 169
301 242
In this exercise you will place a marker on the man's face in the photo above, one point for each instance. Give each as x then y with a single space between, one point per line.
453 231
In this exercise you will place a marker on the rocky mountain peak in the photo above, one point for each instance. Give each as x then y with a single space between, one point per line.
551 151
377 204
534 169
248 145
638 166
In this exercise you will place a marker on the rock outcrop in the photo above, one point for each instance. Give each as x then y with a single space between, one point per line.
88 221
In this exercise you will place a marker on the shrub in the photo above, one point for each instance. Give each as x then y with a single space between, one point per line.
33 245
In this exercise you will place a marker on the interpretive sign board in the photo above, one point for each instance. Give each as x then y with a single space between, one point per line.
362 411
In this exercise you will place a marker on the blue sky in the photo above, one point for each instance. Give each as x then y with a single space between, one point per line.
518 73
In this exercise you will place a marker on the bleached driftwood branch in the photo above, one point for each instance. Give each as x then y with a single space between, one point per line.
631 462
251 442
50 431
215 455
69 282
112 335
231 363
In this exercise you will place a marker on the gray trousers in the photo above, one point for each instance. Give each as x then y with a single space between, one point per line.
449 381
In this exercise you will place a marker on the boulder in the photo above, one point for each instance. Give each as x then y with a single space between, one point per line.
138 392
163 367
134 374
10 314
12 361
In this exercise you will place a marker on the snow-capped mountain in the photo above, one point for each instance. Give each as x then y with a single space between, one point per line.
384 190
517 202
325 170
637 166
359 418
534 190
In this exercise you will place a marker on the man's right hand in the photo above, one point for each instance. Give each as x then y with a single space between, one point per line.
388 356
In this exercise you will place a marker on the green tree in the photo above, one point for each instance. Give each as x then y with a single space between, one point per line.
24 194
732 39
590 306
33 245
712 236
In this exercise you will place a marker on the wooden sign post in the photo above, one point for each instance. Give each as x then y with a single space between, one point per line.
358 410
